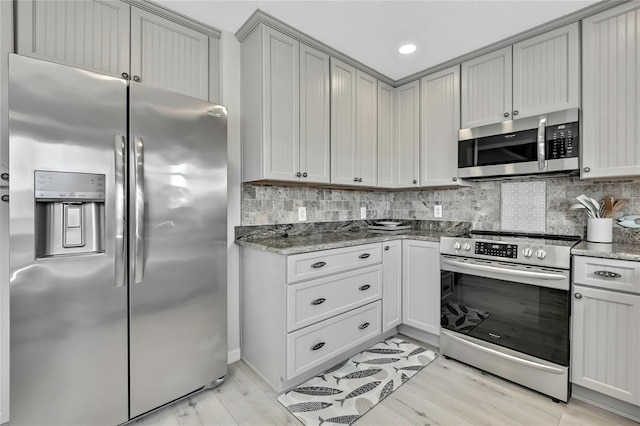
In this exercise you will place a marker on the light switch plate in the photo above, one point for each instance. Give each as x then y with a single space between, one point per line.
302 214
363 212
437 210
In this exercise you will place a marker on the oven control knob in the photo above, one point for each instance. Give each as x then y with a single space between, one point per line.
466 246
457 246
541 254
527 252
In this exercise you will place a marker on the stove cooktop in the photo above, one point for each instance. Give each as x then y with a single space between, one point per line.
524 248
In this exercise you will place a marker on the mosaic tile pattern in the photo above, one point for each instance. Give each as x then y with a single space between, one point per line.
478 204
523 206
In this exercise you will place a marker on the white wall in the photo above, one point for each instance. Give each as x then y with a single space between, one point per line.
230 89
6 45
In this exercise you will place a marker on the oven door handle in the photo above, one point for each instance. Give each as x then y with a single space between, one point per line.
506 271
507 357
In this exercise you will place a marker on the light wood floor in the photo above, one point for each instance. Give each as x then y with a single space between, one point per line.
445 392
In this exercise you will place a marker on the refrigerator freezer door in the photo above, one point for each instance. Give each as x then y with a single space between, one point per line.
68 317
178 186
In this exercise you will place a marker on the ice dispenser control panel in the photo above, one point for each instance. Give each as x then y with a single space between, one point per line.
69 213
69 186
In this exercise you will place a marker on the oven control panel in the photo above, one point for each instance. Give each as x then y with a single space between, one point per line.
509 251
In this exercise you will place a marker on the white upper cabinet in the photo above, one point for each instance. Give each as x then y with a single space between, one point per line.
386 137
486 89
111 37
285 109
398 135
611 89
92 34
354 129
315 140
169 55
538 75
439 125
546 73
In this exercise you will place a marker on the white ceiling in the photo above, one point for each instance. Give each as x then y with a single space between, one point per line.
372 31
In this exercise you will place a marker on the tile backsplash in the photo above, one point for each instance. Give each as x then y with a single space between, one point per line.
523 206
479 204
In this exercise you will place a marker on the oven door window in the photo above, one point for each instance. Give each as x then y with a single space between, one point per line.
529 319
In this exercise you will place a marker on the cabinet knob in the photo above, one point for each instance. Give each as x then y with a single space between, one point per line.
298 174
304 174
359 179
5 176
454 179
355 179
318 346
415 181
125 76
136 78
587 169
386 248
577 296
515 112
5 198
506 114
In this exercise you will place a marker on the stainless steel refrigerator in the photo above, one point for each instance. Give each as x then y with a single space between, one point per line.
118 245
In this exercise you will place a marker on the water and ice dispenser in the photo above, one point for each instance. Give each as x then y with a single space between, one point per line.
70 213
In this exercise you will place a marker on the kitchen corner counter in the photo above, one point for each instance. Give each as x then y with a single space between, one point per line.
608 251
324 241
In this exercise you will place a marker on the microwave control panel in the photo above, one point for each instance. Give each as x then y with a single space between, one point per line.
497 249
562 141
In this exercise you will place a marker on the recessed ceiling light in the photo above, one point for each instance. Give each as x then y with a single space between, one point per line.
407 49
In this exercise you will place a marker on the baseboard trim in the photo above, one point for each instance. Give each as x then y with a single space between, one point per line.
606 402
233 356
420 335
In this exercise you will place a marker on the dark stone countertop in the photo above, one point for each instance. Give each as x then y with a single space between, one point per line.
616 251
324 241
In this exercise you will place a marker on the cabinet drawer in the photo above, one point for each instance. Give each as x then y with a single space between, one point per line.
316 300
320 263
592 271
313 345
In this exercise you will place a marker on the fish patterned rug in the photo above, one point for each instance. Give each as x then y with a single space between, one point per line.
345 392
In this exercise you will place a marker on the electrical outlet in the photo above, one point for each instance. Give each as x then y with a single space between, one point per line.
437 210
363 212
302 214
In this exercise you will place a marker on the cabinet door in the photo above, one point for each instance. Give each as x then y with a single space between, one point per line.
606 342
486 89
611 89
366 161
343 123
391 285
169 55
421 285
314 116
546 73
408 134
92 34
386 141
439 125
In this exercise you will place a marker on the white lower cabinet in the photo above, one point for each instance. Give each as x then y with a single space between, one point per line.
605 334
391 284
301 312
421 285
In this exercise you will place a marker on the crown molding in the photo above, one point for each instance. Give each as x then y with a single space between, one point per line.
176 17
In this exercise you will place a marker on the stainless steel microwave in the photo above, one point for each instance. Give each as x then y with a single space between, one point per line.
541 144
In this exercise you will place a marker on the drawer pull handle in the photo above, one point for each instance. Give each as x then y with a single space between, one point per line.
365 287
318 265
319 301
607 274
318 346
363 326
364 255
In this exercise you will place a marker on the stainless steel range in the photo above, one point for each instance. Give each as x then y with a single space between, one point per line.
505 306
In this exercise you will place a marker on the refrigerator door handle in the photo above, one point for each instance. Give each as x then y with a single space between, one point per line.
138 264
120 258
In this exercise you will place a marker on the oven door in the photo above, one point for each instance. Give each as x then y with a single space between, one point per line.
522 308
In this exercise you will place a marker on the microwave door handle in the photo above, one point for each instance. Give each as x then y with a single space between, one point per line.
506 271
542 126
